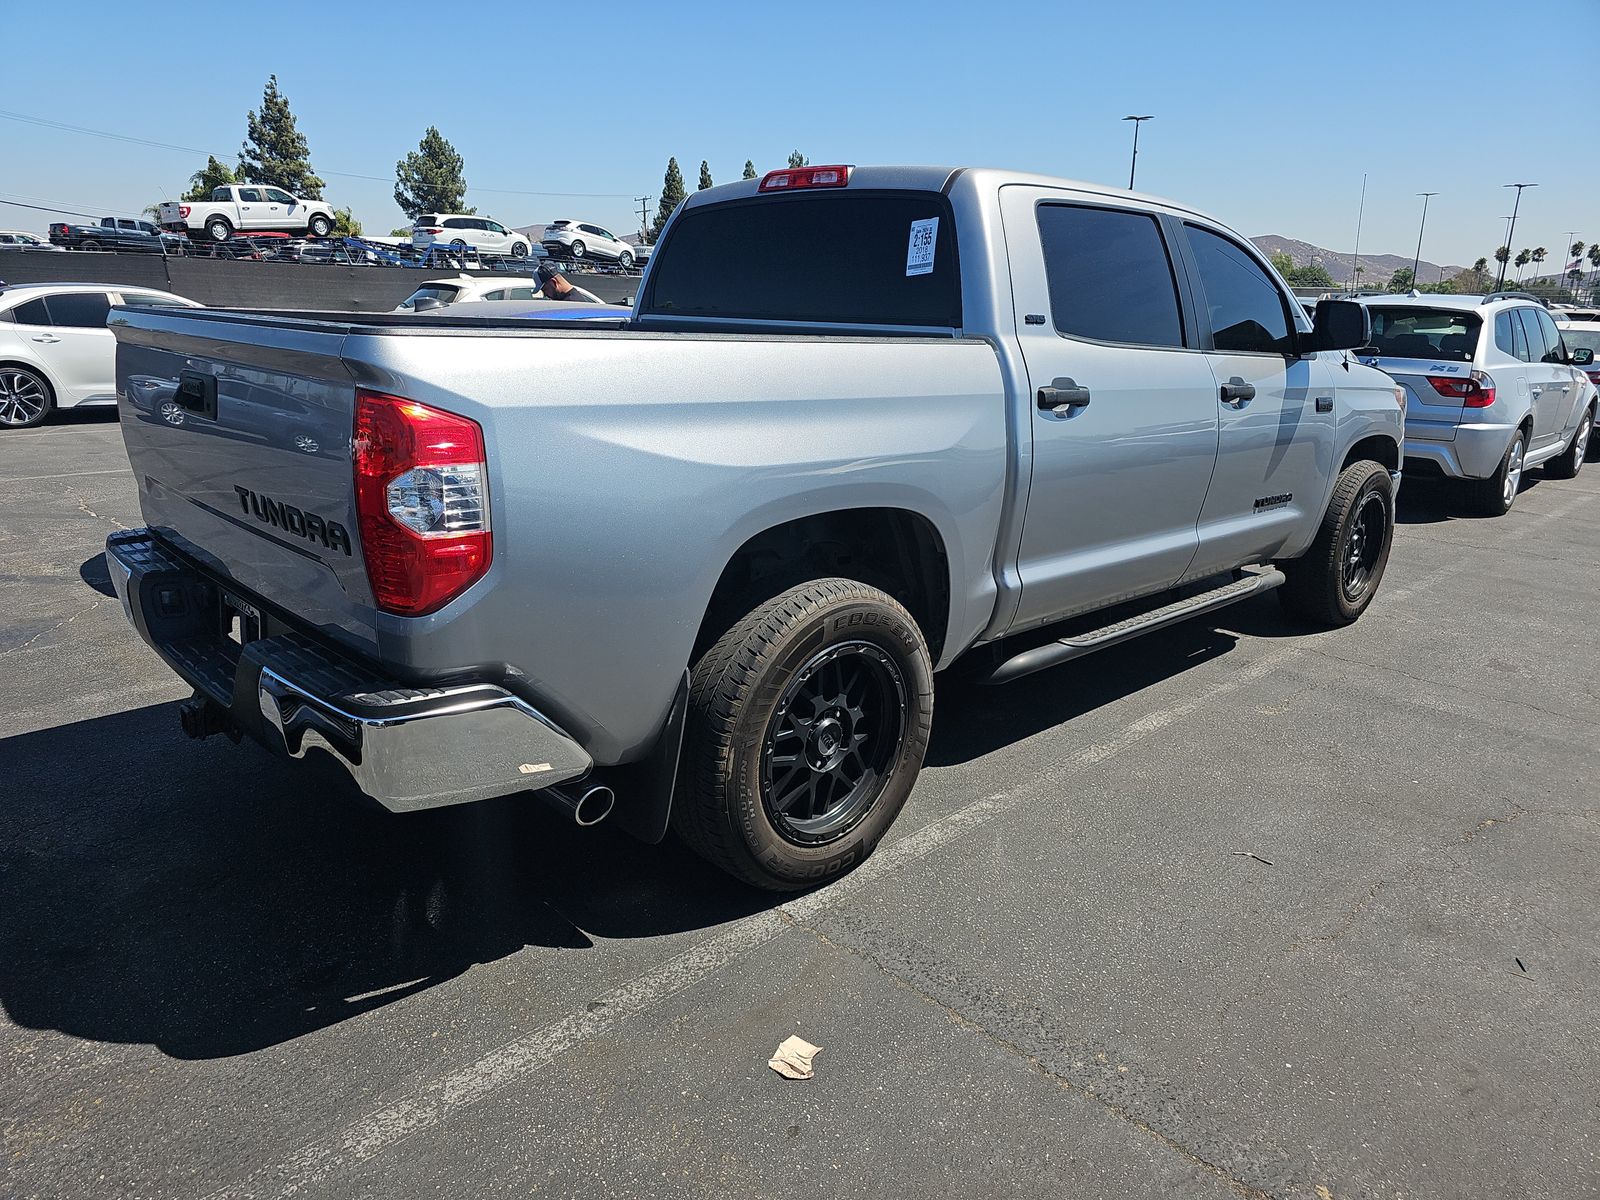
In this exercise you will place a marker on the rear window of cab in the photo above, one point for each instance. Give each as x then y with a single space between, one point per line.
835 257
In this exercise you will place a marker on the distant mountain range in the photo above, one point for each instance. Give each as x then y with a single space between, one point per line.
1375 268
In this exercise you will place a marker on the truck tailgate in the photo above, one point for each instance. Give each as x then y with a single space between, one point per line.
238 431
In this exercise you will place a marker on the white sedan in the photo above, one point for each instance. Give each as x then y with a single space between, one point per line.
55 349
470 287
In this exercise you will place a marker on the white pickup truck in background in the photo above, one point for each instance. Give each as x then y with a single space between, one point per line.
247 208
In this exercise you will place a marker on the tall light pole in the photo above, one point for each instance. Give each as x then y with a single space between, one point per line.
1511 231
1132 166
1566 249
1355 266
1416 261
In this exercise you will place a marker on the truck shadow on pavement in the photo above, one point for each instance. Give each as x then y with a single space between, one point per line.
211 900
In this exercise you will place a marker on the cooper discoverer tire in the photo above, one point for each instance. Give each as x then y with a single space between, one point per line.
807 725
1335 580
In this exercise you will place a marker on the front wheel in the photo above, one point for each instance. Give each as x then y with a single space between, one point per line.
807 725
1571 461
1335 580
519 250
321 227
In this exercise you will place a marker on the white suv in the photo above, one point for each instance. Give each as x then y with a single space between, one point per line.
578 239
1491 389
55 349
461 232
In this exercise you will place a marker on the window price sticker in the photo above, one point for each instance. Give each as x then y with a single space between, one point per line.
919 252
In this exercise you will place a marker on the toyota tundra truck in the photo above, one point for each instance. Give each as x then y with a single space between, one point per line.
703 566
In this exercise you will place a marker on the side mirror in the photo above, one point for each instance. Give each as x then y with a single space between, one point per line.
1583 357
1338 325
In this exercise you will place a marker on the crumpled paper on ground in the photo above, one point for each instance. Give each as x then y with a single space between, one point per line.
793 1058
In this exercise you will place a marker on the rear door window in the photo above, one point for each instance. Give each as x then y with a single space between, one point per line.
1554 351
839 257
31 312
79 310
1504 339
1533 347
250 195
1248 313
1110 276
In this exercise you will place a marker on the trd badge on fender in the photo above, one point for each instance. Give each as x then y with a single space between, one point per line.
282 515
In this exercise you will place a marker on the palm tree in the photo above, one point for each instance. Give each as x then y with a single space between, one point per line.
1521 261
1594 261
1539 256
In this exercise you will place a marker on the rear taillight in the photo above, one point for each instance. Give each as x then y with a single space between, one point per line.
422 501
183 211
430 229
796 178
1474 391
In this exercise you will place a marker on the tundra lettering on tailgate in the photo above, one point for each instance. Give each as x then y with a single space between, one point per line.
282 515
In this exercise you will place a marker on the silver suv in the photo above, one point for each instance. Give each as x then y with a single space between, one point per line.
1490 389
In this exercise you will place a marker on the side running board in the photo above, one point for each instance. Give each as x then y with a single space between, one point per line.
1253 583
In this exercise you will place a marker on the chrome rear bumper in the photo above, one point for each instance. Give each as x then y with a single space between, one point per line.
406 747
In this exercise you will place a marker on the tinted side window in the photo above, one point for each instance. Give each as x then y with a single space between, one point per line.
1504 339
79 310
1247 312
145 298
1555 352
31 312
250 194
1110 277
278 197
1532 347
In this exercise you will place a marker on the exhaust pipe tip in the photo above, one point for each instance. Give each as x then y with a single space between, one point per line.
594 805
586 807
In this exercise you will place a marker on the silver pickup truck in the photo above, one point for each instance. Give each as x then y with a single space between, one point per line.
704 564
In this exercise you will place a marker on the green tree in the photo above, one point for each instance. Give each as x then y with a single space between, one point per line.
672 195
705 176
274 151
1281 263
213 175
1481 265
1401 280
1445 287
1594 258
345 224
1310 275
429 179
796 159
1502 255
404 231
749 169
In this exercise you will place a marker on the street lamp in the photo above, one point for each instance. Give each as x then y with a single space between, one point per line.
1416 261
1511 231
1137 121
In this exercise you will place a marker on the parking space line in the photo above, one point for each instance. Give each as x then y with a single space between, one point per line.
62 475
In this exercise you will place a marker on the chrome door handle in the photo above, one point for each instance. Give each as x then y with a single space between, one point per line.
46 338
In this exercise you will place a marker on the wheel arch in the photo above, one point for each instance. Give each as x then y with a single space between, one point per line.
1377 447
896 549
39 370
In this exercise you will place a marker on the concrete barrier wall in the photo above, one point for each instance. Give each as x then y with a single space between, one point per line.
235 284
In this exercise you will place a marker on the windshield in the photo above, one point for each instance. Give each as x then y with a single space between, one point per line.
442 292
850 258
1425 333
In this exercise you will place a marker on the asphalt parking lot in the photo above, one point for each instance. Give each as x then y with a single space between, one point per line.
1233 910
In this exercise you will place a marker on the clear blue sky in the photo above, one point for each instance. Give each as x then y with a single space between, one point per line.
1267 113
